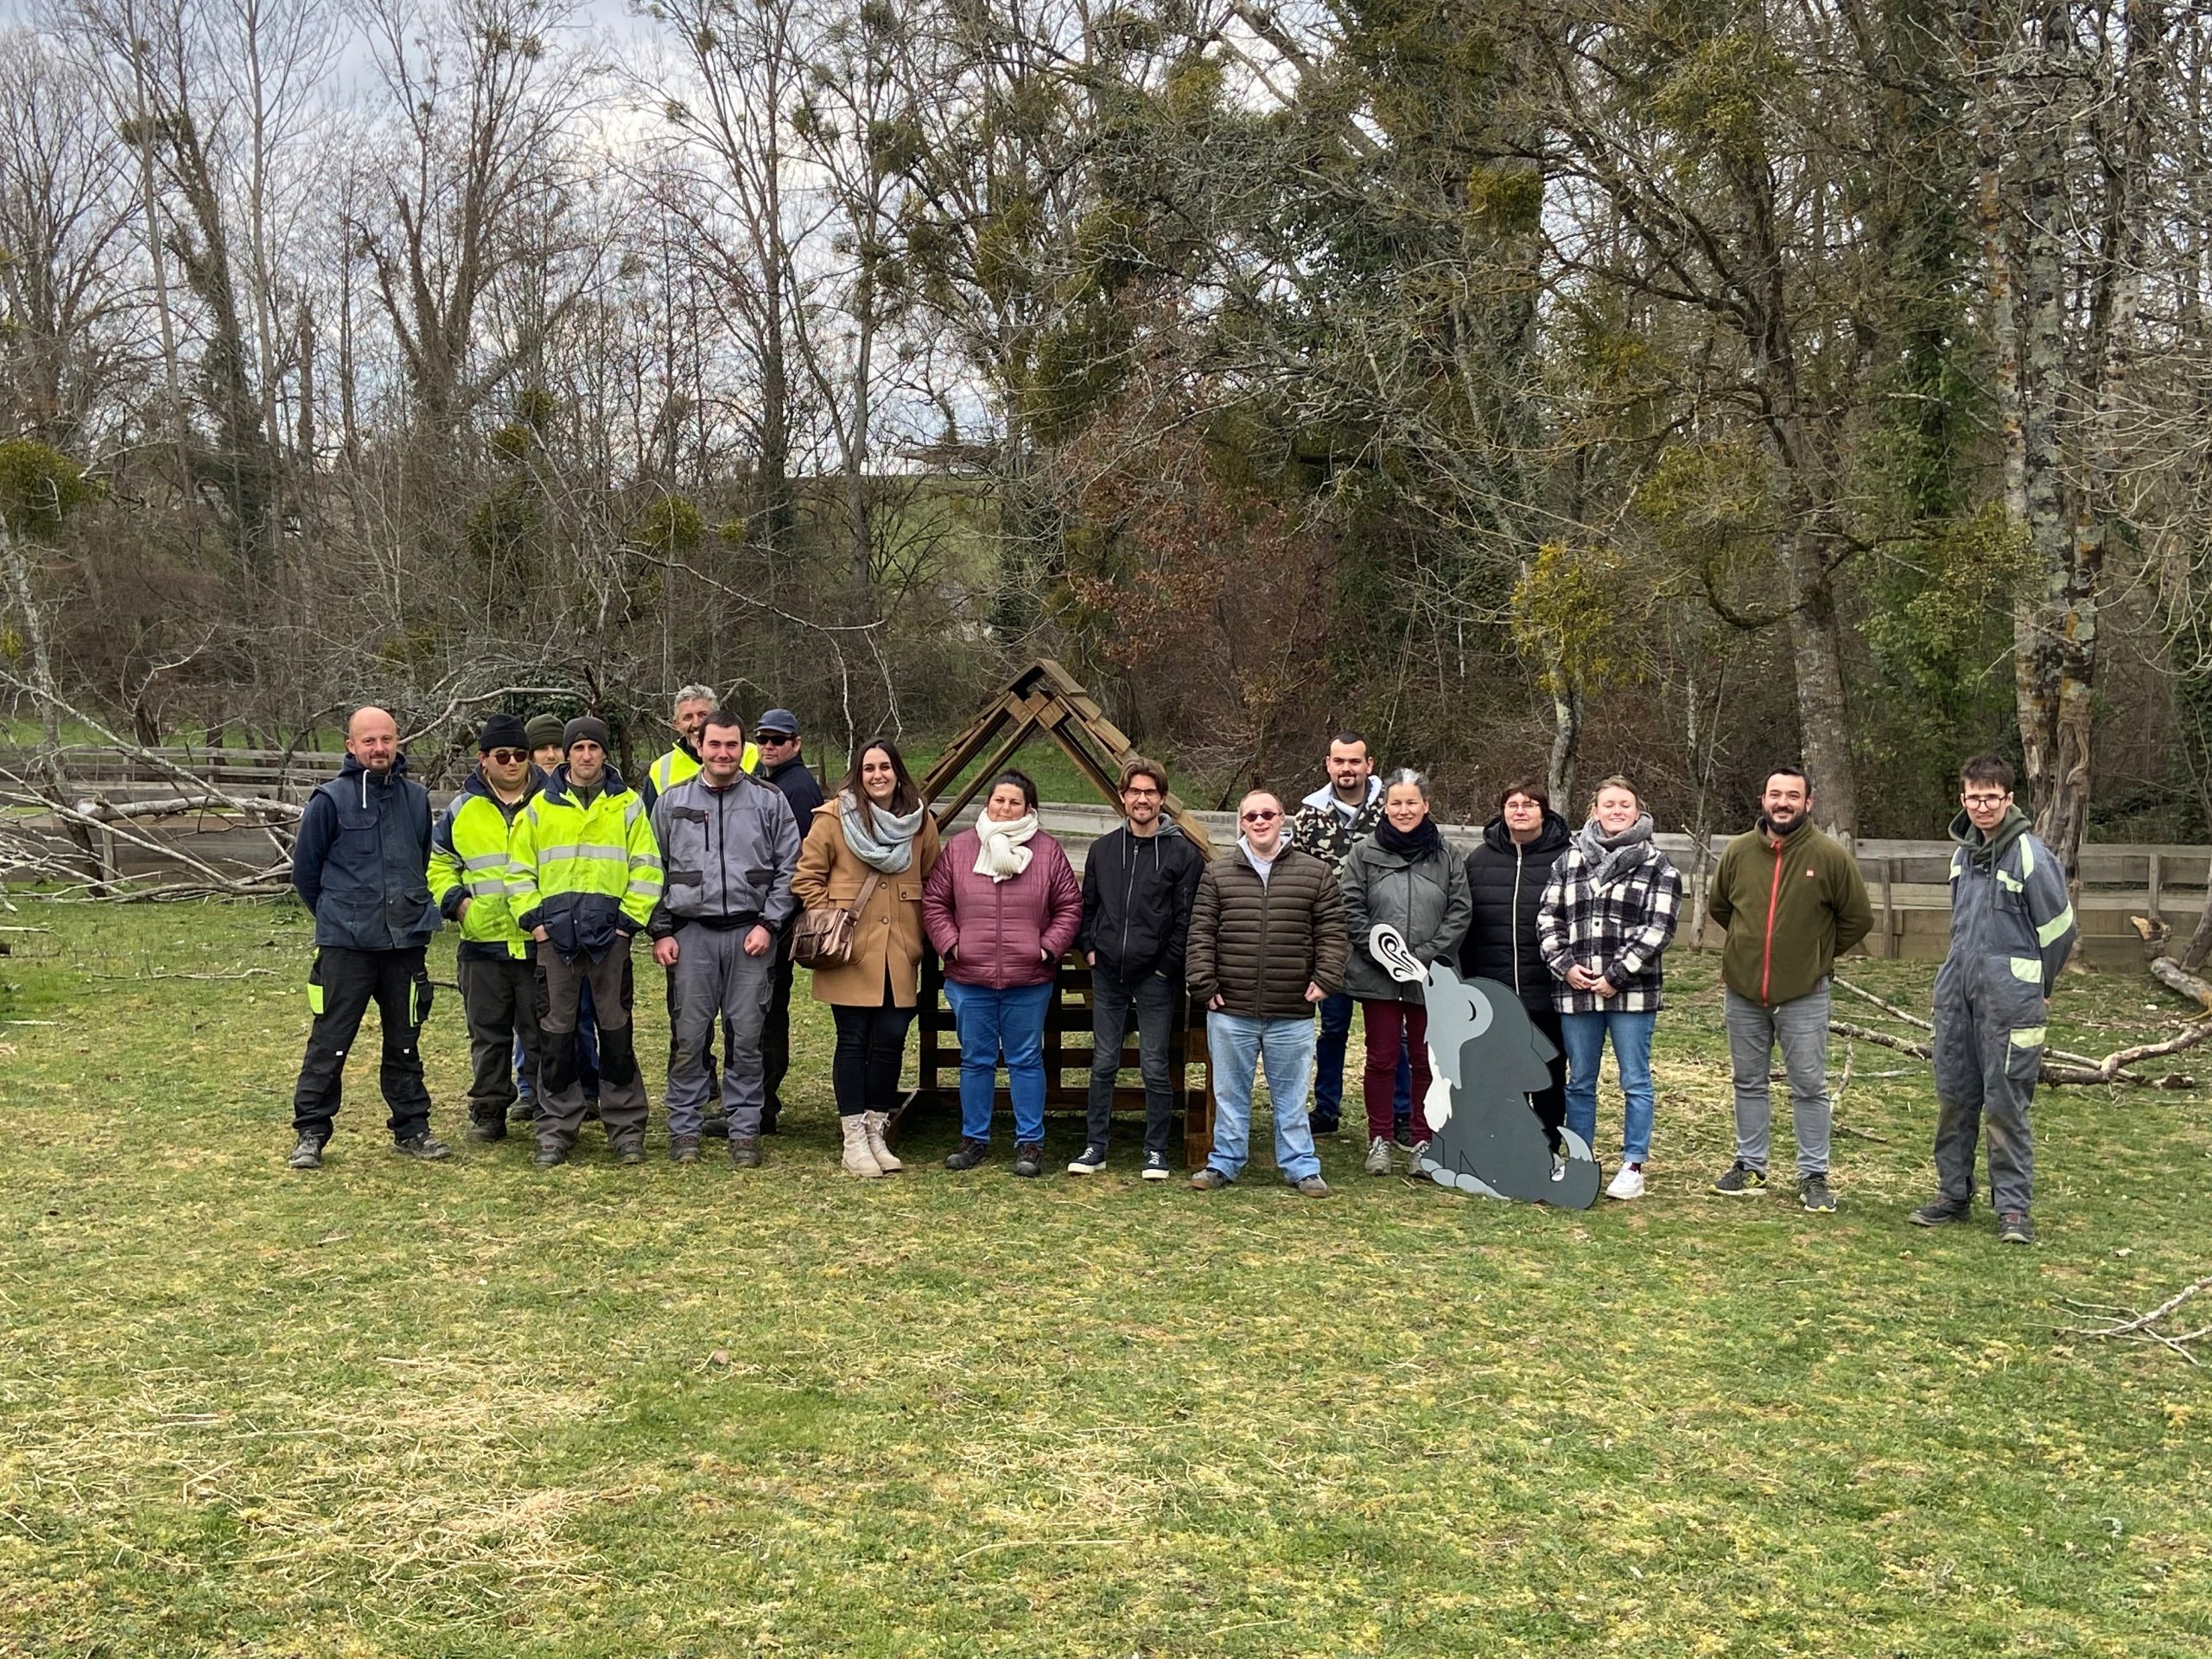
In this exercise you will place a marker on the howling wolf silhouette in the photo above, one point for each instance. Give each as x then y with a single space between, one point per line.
1487 1059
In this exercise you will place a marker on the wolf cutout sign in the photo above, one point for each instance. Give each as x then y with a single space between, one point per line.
1487 1059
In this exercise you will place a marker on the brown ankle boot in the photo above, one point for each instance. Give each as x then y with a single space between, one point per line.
859 1159
886 1161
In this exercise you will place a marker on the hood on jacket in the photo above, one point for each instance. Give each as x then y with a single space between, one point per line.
1552 835
1987 849
352 767
1326 795
556 788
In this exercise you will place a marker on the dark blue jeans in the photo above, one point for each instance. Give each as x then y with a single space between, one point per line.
1329 1067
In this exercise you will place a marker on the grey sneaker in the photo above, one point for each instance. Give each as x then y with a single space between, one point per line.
308 1154
425 1146
1940 1214
1378 1157
1028 1160
1813 1192
1314 1187
1740 1179
1414 1154
2014 1227
1210 1180
683 1149
967 1154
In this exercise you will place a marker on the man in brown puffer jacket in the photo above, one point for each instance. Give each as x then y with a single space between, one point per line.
1267 944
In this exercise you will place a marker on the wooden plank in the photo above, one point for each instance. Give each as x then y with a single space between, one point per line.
2158 875
1889 907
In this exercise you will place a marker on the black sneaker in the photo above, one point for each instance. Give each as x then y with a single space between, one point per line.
1940 1214
1092 1161
683 1149
968 1153
1813 1192
2014 1227
308 1154
1740 1179
717 1128
1325 1127
1028 1160
1155 1166
425 1146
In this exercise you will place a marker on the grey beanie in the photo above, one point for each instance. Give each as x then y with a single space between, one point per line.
590 727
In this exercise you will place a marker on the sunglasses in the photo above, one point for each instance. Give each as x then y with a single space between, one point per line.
1258 818
767 738
507 757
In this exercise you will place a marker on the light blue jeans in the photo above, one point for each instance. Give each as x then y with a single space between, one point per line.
1235 1045
991 1023
1582 1036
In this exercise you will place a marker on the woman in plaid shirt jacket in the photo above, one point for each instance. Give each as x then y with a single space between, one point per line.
1607 918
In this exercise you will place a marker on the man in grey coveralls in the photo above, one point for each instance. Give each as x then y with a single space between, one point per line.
730 845
2012 930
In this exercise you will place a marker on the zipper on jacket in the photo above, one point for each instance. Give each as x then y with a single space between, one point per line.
1129 897
1773 897
1513 928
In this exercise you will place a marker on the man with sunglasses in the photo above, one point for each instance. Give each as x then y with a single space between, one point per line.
469 855
1267 942
775 735
2012 929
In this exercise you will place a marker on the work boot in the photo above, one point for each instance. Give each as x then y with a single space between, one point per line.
524 1110
968 1153
630 1149
308 1153
715 1127
859 1157
875 1123
1940 1214
745 1150
683 1149
1028 1160
549 1156
2014 1227
489 1125
425 1145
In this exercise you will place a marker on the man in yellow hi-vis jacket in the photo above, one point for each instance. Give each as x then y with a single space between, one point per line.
585 876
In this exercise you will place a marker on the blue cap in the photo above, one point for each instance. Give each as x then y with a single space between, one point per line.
777 720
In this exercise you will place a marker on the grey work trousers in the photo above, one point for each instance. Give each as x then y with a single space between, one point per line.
1987 1057
560 1084
714 977
1800 1028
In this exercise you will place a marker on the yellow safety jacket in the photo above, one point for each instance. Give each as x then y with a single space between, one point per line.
680 763
585 871
470 852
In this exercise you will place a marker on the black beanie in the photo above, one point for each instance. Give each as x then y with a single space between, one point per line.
502 732
586 726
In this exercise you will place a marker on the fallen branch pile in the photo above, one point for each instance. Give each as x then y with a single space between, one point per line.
2125 1325
2059 1065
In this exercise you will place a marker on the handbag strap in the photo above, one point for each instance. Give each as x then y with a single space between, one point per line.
867 892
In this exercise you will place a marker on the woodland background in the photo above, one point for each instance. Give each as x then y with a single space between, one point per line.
1571 383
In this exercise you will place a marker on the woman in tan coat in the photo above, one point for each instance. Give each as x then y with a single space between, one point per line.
877 825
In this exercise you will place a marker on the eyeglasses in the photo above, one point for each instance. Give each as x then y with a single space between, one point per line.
507 757
1258 818
1142 794
1987 800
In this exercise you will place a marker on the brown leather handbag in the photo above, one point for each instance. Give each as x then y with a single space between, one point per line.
823 938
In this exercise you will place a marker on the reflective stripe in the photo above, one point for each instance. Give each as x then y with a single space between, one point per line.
484 862
1958 865
490 884
2028 968
645 889
648 861
572 849
2027 855
2029 1036
2009 883
2051 930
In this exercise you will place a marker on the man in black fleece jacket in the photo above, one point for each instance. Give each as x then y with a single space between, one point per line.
1137 884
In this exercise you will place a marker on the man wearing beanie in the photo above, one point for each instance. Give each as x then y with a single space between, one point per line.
584 875
470 851
546 753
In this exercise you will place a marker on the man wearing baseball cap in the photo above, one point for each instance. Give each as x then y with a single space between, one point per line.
776 735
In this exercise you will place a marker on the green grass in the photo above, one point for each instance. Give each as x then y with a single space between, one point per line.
478 1410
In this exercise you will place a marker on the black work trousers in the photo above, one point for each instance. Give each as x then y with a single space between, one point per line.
498 998
776 1033
341 986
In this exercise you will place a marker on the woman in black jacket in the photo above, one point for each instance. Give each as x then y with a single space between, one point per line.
1506 876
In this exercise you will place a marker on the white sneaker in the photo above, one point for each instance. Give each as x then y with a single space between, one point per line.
1629 1184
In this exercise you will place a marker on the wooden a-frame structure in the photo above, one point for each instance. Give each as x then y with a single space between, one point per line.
1046 700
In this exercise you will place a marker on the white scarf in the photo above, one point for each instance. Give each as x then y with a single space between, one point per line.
1001 852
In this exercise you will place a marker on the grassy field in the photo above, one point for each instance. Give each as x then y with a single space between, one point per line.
475 1409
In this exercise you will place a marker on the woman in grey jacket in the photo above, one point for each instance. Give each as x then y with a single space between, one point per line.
1403 875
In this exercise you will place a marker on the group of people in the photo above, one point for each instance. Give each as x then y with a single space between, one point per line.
551 865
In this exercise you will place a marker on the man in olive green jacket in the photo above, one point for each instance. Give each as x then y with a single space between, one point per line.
1792 900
